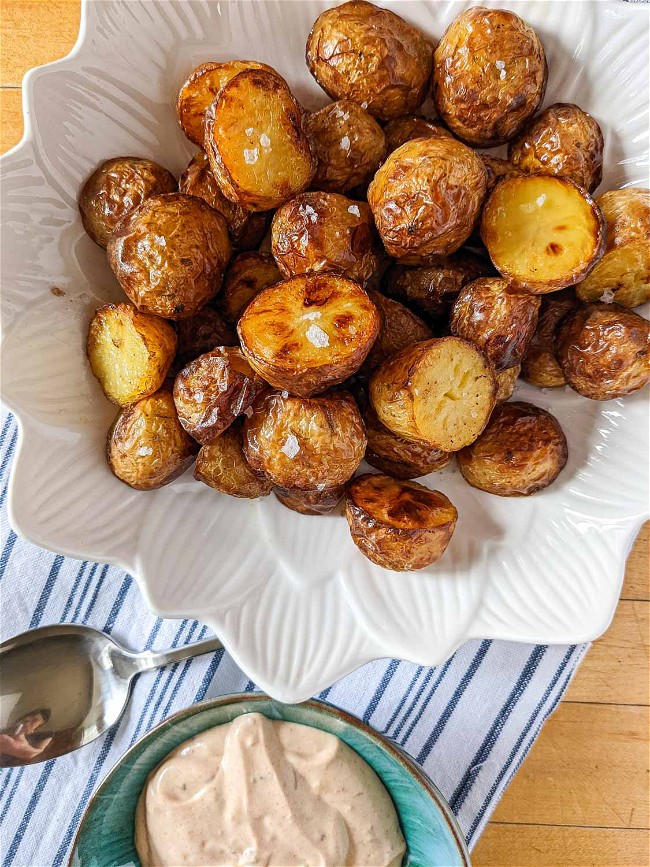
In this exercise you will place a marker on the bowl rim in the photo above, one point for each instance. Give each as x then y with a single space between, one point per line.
318 705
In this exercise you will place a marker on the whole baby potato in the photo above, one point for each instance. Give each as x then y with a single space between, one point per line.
367 54
247 275
349 144
202 333
399 328
221 465
146 446
246 228
316 502
522 450
506 381
117 188
399 457
489 75
562 140
499 322
402 129
326 232
426 198
540 365
302 443
170 254
211 391
604 351
398 525
498 168
255 140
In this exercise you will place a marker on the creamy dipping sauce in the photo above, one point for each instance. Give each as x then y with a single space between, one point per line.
259 792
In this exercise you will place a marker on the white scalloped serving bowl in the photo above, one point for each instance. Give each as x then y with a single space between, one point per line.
293 600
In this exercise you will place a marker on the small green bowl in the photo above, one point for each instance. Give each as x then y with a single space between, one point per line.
105 835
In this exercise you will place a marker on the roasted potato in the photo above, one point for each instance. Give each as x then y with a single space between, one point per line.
402 129
522 450
255 140
308 333
506 381
147 447
499 322
116 189
542 232
129 352
398 525
371 56
169 255
202 88
349 144
326 232
211 391
604 351
540 366
310 502
221 465
563 140
246 276
426 198
431 290
489 75
202 333
246 228
399 328
397 457
305 444
439 392
623 274
497 169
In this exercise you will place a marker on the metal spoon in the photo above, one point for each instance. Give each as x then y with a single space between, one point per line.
63 686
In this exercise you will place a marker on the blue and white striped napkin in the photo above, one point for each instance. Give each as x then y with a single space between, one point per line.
469 722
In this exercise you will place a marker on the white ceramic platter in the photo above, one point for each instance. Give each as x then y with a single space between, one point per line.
293 600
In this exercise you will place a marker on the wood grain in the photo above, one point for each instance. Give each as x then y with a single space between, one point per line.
11 112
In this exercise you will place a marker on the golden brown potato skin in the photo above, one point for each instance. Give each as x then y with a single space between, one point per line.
427 197
129 352
522 450
540 366
398 525
506 381
397 457
202 333
256 142
604 351
247 274
246 228
562 140
170 254
309 332
310 502
623 274
117 188
349 144
399 328
211 391
147 447
305 443
221 465
489 75
403 129
371 56
499 322
326 232
497 169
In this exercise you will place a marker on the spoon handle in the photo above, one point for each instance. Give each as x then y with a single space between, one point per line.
149 660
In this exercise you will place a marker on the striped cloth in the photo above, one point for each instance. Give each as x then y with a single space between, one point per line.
469 722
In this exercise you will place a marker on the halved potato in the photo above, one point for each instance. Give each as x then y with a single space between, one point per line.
146 446
498 321
305 443
542 232
221 465
211 391
506 381
623 274
439 392
399 328
310 502
522 450
129 352
245 278
398 525
258 149
308 333
403 129
540 366
202 333
397 457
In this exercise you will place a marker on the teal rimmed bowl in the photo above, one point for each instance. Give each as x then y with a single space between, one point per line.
105 835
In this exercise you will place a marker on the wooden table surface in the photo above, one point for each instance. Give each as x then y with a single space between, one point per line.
581 797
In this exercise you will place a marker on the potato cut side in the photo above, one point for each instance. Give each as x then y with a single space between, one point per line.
221 465
129 352
542 233
440 392
309 332
622 275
